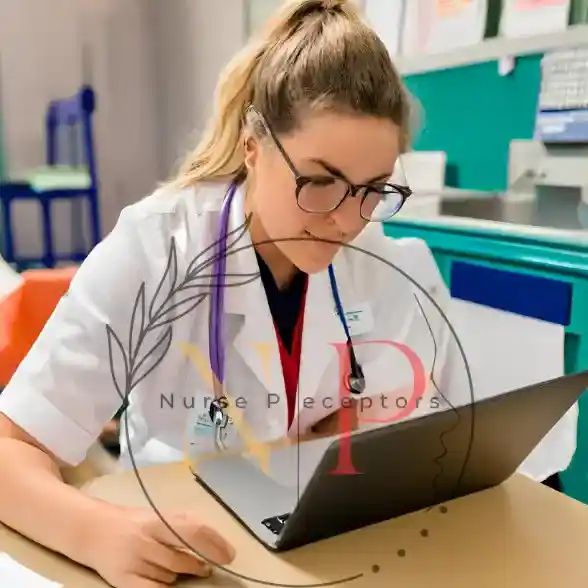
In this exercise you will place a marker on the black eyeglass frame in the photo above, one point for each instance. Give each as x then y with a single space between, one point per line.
352 191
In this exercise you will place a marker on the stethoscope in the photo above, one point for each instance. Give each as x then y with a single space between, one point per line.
216 346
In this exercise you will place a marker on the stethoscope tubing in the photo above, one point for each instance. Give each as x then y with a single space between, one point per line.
216 345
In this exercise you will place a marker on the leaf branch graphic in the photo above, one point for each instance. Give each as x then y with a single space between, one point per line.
174 298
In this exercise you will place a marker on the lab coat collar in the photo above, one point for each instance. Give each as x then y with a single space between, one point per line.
242 271
255 339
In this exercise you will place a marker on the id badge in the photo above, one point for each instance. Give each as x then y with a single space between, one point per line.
201 435
360 320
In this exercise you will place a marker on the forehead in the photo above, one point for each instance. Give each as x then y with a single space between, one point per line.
360 146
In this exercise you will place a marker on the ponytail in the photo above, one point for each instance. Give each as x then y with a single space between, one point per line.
296 41
220 151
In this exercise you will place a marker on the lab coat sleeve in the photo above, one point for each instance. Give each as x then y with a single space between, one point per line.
63 392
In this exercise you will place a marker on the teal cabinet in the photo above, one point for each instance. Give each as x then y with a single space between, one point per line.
563 261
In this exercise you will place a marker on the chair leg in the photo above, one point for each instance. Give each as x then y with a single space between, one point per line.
94 219
49 254
7 230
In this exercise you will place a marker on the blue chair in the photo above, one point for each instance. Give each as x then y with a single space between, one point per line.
69 175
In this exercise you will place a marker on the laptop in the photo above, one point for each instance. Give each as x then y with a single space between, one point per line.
403 467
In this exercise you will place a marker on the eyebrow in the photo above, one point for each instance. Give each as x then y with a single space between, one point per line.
334 171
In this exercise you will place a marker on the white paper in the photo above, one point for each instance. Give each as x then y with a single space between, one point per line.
505 351
386 18
423 207
456 23
15 575
533 17
422 171
416 27
9 279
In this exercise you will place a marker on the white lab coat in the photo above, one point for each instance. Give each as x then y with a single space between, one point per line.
138 310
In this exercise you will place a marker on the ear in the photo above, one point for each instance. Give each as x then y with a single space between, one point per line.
251 150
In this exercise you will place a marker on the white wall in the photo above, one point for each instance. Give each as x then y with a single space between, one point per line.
193 40
154 65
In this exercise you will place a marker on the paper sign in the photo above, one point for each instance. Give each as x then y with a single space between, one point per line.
534 4
385 17
416 25
533 17
457 23
447 8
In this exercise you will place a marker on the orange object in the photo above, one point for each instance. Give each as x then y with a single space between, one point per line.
24 312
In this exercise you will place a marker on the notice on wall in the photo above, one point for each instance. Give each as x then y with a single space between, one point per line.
386 17
533 4
451 8
416 26
456 23
534 17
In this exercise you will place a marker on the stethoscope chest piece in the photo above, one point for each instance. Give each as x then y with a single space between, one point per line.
217 413
356 381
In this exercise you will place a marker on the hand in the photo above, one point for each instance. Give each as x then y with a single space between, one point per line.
137 550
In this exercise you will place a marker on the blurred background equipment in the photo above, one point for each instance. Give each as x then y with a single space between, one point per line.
27 300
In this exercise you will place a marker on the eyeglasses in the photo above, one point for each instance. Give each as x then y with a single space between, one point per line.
380 201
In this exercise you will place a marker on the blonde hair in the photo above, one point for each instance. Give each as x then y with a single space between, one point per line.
312 54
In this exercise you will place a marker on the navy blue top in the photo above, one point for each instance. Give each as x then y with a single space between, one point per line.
284 304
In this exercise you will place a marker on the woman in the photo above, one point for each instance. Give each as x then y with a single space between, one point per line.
310 121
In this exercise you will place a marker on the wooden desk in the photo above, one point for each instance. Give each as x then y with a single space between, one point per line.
516 536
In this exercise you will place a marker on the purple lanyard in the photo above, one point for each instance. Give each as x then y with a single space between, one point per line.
216 347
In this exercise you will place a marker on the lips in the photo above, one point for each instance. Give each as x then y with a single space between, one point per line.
325 240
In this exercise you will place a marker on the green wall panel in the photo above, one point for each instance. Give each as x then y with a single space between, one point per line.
472 113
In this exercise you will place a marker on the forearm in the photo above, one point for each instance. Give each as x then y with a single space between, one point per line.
35 501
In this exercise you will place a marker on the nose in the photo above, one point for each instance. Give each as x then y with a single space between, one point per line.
347 216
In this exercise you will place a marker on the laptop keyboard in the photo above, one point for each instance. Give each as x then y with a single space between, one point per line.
276 524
